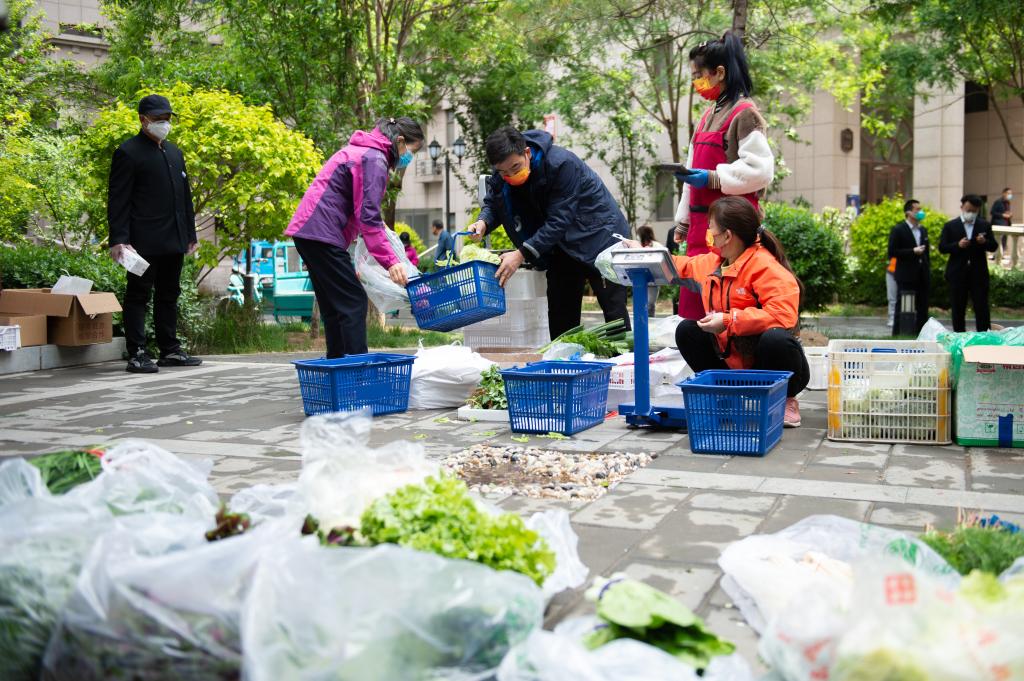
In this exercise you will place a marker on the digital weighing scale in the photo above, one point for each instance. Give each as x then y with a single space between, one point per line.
638 268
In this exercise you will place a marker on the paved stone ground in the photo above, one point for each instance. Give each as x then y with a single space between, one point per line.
666 524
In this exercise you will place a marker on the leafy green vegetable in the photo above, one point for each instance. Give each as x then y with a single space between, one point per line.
440 516
228 524
490 394
971 547
472 251
607 340
632 609
63 471
521 438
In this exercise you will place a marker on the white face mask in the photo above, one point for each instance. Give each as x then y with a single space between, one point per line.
1009 197
968 218
159 129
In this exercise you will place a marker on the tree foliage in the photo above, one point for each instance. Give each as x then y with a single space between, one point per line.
245 167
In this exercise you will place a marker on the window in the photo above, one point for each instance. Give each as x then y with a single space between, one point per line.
975 98
665 197
449 127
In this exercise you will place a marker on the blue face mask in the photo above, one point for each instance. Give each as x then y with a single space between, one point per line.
405 159
919 215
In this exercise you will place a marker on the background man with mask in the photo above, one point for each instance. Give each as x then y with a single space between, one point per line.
559 215
149 209
1002 212
908 243
968 239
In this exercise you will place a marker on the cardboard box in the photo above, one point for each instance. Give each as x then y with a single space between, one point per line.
33 327
82 319
989 397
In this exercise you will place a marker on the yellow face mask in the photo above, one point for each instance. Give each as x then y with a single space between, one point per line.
518 178
709 239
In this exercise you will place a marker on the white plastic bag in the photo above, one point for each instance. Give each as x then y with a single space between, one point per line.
20 480
385 294
570 572
264 502
662 332
380 614
445 376
341 474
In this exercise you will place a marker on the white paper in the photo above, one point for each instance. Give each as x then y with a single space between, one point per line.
133 262
72 286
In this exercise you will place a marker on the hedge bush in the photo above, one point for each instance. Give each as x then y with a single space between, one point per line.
1006 288
869 246
814 249
414 238
27 265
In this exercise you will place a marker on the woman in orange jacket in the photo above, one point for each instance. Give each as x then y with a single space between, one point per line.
751 301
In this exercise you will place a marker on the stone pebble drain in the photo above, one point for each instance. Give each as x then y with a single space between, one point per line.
542 473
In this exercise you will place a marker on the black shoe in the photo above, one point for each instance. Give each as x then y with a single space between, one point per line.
141 363
179 359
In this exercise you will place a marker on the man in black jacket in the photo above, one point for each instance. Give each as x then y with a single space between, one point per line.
559 215
149 209
908 243
1002 212
968 239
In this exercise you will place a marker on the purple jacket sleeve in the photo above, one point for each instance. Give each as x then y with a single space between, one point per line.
371 225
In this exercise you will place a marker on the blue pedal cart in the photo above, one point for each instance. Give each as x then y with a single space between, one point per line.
639 267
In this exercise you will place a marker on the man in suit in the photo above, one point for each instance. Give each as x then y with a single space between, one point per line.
968 239
908 243
149 209
1002 212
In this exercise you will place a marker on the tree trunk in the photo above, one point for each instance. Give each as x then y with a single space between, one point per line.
739 19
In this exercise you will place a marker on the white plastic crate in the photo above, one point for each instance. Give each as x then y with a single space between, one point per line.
10 338
817 360
889 391
524 325
526 285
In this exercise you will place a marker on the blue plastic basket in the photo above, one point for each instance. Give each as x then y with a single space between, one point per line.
557 397
376 380
456 296
735 411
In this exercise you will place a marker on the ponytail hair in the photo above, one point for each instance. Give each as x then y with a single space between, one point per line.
727 52
739 216
394 127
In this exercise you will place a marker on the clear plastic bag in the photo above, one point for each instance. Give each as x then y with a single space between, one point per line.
570 572
158 602
931 330
905 624
663 331
570 351
385 294
20 480
264 502
341 474
547 656
346 614
46 538
603 262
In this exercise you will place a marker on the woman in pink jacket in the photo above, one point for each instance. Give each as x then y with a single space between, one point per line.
344 202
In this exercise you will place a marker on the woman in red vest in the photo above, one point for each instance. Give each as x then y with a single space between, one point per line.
729 152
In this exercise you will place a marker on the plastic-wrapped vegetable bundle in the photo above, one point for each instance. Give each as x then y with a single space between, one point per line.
156 602
956 342
351 614
46 538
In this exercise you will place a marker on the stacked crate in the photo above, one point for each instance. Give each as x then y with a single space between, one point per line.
524 326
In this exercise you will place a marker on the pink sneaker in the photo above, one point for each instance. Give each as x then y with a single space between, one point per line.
792 417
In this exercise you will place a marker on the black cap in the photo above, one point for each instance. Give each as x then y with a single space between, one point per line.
154 105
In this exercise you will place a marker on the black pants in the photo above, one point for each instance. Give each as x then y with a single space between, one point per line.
339 294
162 280
958 292
567 278
777 350
921 288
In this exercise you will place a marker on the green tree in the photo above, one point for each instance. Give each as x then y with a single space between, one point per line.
953 41
246 168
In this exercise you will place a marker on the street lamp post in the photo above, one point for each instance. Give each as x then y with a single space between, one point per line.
435 150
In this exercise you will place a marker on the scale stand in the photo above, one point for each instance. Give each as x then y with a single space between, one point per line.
639 267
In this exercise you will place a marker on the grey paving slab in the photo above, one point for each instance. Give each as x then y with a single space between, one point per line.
691 584
729 624
793 509
696 535
631 507
913 517
996 470
831 473
921 471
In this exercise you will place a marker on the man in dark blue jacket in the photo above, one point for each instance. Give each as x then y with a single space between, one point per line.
559 215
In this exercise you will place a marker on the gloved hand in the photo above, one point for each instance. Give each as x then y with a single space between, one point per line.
696 178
